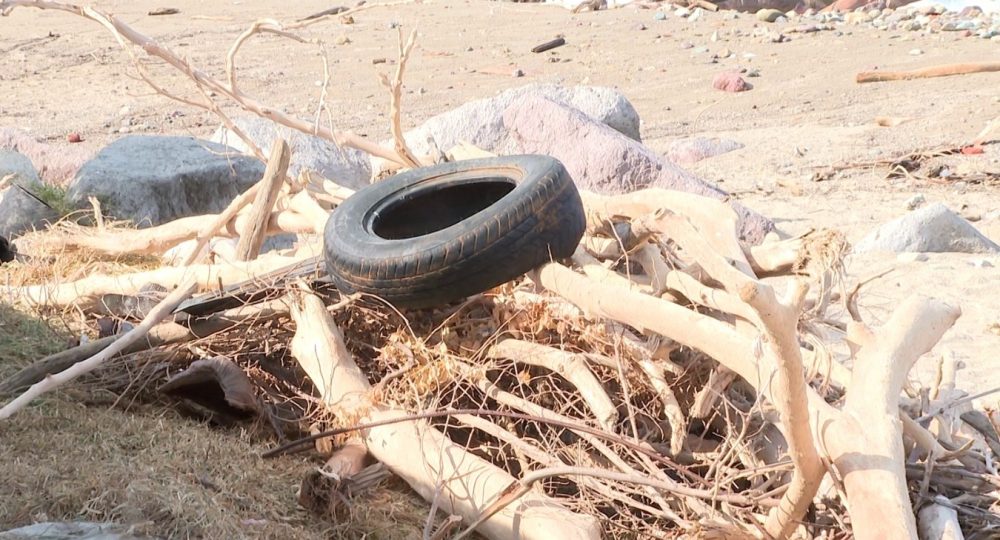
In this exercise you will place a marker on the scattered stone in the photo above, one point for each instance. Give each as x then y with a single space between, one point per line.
912 256
916 52
74 138
730 81
342 165
695 149
769 15
480 122
603 160
981 263
343 40
659 16
687 45
682 12
696 14
933 228
154 179
753 72
915 202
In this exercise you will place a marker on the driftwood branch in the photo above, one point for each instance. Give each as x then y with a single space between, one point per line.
252 235
426 459
927 73
158 313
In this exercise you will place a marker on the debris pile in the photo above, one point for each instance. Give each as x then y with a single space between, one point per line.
683 371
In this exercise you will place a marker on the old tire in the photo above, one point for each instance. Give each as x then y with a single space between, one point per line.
437 234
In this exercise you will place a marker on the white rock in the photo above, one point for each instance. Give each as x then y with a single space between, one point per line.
933 228
915 202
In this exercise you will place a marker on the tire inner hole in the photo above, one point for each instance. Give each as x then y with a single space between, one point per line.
438 207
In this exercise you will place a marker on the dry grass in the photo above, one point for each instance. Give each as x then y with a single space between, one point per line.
148 467
171 477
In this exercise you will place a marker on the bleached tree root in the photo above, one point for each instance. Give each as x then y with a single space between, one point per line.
439 470
86 293
870 450
572 367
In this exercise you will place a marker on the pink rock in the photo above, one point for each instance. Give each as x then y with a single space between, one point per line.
695 149
730 81
56 164
603 160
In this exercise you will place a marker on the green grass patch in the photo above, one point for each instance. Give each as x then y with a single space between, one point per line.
24 339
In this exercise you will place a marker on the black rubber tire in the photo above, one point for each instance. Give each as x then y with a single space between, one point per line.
498 218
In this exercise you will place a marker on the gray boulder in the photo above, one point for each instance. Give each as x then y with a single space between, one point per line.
345 166
931 229
152 179
18 165
20 208
603 160
481 122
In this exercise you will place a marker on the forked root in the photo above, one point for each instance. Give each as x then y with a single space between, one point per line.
439 470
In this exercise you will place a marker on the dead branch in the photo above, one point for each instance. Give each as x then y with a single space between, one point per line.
946 70
166 333
85 293
395 88
160 312
572 367
866 445
426 459
252 235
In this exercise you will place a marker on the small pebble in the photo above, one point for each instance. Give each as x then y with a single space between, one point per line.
682 12
981 263
769 15
915 202
916 52
74 138
911 256
659 16
687 45
343 40
753 72
696 14
715 36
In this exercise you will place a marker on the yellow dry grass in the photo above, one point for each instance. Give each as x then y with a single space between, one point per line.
67 458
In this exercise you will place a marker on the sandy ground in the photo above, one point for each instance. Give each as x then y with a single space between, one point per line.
61 74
